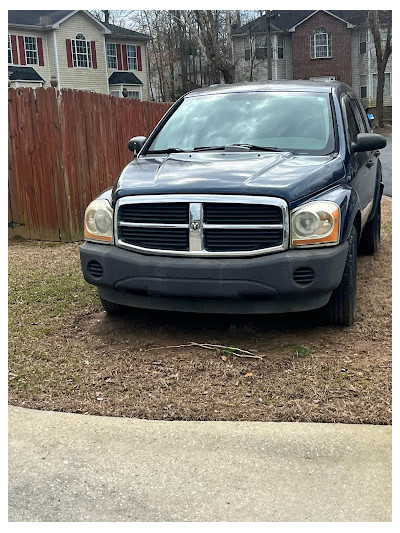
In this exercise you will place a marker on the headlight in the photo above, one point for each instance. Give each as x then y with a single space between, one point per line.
99 221
315 223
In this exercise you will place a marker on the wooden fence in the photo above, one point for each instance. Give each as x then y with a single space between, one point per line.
64 149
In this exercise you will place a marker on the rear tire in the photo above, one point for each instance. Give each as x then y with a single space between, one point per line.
371 236
113 309
341 309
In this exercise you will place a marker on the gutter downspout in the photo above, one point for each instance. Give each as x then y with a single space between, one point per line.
148 72
56 54
105 59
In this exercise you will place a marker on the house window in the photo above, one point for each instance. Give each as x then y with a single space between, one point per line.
387 90
363 86
31 54
280 46
320 44
134 94
247 49
383 32
261 49
111 55
132 57
81 54
363 40
10 61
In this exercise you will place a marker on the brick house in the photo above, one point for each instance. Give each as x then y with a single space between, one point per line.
313 45
76 51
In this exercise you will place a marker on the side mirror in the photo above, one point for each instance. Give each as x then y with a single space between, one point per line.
367 142
136 144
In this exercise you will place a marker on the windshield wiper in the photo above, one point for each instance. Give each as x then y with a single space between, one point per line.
166 151
261 148
238 145
205 148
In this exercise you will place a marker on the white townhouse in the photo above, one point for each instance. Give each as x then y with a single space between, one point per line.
74 50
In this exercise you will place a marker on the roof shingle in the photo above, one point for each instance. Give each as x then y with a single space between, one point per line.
36 18
48 18
286 19
23 74
119 31
127 78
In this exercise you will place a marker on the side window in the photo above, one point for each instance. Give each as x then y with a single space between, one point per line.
350 119
359 119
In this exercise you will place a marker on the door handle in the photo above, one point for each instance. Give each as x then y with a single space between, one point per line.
369 163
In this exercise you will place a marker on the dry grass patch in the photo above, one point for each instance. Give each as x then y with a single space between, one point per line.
67 355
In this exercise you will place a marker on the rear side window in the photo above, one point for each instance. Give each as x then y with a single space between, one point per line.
360 115
351 122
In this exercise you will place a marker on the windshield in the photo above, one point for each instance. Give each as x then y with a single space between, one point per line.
294 121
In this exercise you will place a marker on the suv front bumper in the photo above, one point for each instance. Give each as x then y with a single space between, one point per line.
265 284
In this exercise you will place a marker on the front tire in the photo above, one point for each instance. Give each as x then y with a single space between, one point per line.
371 236
341 308
113 309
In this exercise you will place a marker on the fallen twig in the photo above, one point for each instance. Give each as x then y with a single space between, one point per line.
230 349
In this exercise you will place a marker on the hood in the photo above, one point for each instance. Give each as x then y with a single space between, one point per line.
284 175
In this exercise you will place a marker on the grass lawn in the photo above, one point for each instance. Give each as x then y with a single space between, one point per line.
65 354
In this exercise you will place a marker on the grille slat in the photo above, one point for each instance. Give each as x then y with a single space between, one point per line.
95 268
303 275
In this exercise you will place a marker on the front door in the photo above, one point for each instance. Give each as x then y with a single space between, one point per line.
362 165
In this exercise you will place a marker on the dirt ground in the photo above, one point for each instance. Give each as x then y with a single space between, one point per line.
72 357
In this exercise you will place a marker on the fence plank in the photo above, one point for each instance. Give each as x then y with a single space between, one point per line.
16 164
64 149
27 173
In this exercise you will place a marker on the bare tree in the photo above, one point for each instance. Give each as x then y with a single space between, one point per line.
382 56
214 37
188 48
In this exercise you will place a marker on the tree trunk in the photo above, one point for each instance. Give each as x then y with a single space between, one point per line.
379 97
382 57
269 45
217 53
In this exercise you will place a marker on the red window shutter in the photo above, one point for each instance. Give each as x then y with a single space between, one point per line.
21 42
40 51
139 58
14 49
69 52
119 61
124 57
94 56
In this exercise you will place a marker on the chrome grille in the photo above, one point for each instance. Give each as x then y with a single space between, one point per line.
202 225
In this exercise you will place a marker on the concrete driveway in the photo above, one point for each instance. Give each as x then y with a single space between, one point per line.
386 160
69 467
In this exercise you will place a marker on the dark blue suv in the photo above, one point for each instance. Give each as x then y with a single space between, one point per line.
250 198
